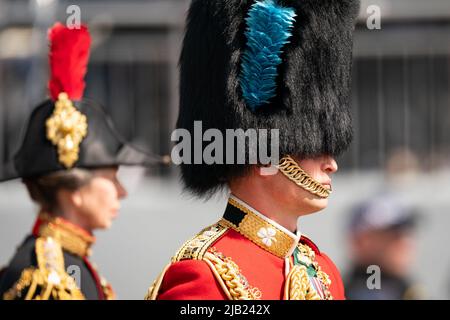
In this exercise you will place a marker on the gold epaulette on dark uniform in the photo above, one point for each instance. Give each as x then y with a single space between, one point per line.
49 279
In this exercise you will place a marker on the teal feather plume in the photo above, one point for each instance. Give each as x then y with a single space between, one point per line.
269 27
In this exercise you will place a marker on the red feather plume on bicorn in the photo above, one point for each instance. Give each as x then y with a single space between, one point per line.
68 58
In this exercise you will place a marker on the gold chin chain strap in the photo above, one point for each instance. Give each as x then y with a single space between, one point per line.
293 172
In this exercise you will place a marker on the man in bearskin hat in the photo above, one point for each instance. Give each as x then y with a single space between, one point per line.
68 162
264 64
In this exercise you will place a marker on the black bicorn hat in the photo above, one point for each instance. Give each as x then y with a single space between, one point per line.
69 131
267 64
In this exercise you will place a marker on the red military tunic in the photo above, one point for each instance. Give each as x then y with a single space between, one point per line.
248 256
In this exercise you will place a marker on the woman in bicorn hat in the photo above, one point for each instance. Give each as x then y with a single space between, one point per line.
68 161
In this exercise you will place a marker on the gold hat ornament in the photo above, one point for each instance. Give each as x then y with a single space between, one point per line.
68 58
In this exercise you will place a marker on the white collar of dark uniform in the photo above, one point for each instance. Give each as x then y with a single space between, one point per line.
259 229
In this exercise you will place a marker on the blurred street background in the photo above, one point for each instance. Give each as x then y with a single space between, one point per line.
401 108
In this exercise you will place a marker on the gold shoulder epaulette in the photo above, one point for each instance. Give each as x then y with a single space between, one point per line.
49 279
195 248
225 271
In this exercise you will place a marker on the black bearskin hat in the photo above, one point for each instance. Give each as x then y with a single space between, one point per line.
220 63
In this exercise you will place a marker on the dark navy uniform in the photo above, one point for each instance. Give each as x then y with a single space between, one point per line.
53 263
63 133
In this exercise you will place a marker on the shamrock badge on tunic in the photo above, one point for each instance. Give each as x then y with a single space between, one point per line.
267 236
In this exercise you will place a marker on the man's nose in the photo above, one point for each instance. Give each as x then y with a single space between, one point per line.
330 165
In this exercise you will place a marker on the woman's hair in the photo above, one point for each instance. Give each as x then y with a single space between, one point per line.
44 189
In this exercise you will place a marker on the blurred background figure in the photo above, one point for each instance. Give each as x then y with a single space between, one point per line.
382 234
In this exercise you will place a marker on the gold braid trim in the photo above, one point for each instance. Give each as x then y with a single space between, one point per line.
193 249
298 285
26 279
196 247
107 289
49 280
308 256
72 238
280 244
230 278
219 279
226 272
293 172
152 292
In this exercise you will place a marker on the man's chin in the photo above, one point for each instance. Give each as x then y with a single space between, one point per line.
315 205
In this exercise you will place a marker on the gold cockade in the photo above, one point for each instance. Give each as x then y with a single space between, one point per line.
66 129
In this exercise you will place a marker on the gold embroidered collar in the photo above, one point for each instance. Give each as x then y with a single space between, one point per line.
259 229
71 237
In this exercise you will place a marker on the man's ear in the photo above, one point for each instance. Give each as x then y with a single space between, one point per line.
265 170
